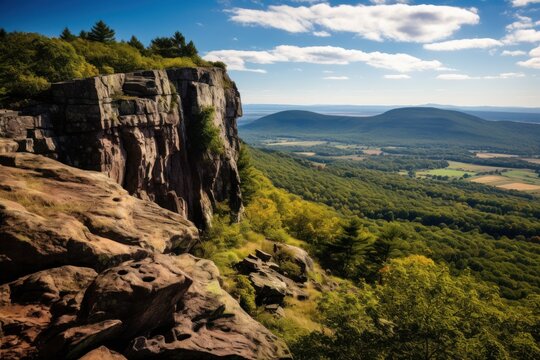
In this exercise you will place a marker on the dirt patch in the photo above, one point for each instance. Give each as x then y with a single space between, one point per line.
519 187
489 179
494 155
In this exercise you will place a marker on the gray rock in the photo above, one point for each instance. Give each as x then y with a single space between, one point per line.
135 128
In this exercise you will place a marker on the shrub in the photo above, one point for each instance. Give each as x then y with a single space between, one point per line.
244 292
204 135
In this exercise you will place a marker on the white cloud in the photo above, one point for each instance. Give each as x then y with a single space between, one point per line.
513 53
522 35
463 44
518 3
534 61
382 2
397 77
321 33
453 77
523 22
336 78
489 77
325 55
399 22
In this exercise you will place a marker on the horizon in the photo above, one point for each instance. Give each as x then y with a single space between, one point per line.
464 53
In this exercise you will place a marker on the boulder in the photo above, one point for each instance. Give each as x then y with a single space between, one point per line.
143 294
27 306
52 214
209 324
269 288
102 353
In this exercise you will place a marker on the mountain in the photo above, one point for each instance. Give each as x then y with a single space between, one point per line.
404 126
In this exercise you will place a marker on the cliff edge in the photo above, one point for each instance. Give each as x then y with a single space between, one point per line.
138 128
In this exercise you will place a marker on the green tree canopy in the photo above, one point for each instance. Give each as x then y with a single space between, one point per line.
101 32
67 35
136 44
422 312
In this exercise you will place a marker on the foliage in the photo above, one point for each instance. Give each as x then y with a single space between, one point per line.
101 32
244 292
205 134
174 46
247 174
469 226
67 35
30 62
346 251
421 312
137 44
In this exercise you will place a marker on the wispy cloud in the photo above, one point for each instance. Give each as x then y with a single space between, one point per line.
534 61
463 44
399 22
329 55
322 33
488 77
519 3
513 53
336 78
397 77
522 30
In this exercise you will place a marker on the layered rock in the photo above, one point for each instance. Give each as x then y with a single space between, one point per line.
136 128
272 281
52 215
89 271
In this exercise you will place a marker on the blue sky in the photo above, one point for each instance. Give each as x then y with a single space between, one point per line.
367 52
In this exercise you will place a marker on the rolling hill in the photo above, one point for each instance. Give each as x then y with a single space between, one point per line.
404 126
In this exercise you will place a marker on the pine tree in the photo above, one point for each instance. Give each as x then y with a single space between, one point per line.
101 32
83 35
67 35
190 50
179 40
134 42
347 249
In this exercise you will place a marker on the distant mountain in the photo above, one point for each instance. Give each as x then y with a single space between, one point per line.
253 112
405 126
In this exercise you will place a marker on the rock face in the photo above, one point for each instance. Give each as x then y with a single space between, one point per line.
88 271
136 129
271 281
52 215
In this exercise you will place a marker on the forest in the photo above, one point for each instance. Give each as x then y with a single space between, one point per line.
494 233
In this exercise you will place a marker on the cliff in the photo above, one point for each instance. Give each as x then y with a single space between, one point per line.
137 128
104 185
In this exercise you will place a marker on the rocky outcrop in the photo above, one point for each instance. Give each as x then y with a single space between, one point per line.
273 281
52 215
136 129
88 271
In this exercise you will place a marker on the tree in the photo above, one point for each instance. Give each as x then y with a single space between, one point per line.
83 35
189 50
101 32
346 251
3 33
179 40
134 42
422 312
67 35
